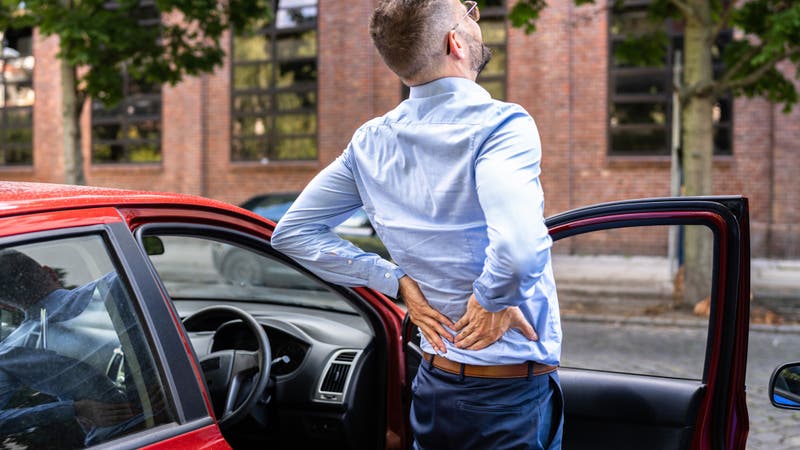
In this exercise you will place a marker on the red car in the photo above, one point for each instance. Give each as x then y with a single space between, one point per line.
141 342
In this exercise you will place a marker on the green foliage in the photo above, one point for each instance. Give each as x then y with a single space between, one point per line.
646 50
775 28
771 34
775 87
525 13
104 37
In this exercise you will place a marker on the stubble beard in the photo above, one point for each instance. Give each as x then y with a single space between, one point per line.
480 56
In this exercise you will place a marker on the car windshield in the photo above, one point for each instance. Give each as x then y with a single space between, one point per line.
198 268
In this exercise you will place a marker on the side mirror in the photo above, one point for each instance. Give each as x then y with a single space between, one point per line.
784 386
153 245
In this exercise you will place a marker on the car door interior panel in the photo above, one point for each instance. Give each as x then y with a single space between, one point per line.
624 411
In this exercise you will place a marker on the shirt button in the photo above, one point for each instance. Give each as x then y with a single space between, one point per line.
349 262
387 275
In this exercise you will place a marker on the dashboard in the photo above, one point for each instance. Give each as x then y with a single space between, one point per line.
324 371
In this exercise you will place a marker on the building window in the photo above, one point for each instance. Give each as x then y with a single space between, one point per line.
274 98
16 98
130 131
495 36
640 109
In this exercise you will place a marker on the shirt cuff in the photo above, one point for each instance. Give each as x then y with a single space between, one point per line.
480 294
385 279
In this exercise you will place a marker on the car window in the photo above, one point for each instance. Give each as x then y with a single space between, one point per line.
621 293
75 367
199 268
356 228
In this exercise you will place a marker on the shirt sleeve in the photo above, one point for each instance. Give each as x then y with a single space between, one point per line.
305 233
507 173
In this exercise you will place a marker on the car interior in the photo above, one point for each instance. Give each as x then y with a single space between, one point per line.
323 357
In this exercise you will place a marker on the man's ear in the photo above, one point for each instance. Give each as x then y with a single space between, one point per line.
456 44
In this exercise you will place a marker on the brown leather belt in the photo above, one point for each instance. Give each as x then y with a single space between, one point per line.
522 370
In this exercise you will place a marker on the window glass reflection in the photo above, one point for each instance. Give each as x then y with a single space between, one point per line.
16 97
274 78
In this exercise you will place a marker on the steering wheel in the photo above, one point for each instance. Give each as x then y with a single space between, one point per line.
229 372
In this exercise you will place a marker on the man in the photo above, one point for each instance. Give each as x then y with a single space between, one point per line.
69 393
450 181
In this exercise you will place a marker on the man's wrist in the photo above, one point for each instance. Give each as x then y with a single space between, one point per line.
386 279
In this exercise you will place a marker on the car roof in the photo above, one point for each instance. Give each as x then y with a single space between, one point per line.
25 197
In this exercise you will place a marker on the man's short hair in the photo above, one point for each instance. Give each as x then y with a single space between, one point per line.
410 34
23 281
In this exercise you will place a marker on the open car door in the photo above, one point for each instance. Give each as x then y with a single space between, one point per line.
678 395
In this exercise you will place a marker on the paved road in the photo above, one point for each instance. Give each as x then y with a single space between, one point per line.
678 351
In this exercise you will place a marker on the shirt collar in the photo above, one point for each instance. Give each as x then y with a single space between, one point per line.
447 85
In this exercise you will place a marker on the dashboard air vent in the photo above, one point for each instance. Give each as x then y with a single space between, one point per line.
337 375
335 378
348 357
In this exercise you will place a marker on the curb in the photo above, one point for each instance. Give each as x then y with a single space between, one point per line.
671 322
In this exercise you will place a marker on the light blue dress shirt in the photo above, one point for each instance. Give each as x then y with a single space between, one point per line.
450 181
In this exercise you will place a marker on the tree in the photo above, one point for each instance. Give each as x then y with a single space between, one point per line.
99 39
767 40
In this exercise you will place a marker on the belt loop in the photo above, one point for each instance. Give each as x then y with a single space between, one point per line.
430 362
461 372
530 370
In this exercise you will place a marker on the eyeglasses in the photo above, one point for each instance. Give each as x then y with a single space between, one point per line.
473 12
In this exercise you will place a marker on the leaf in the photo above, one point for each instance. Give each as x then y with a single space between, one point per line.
525 13
646 50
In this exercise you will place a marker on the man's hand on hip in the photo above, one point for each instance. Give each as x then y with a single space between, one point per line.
430 321
479 328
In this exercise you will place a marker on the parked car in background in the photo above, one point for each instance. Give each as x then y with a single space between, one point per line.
356 228
291 361
239 266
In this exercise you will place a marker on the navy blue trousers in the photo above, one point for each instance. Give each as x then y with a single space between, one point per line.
454 412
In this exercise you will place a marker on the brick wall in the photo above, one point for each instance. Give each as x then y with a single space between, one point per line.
559 74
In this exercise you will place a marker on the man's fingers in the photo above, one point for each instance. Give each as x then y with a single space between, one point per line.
441 318
434 340
480 344
520 323
441 331
462 322
466 340
528 331
434 328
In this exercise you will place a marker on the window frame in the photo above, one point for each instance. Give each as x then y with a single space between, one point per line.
117 115
675 36
24 150
497 13
270 139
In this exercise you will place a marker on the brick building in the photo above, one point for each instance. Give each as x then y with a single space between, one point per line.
289 97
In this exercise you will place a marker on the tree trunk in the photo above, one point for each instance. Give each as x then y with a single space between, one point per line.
70 117
697 147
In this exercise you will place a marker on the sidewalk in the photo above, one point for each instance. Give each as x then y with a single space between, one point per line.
643 286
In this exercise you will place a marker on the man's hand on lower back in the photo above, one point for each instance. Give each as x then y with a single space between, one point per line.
431 322
479 328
